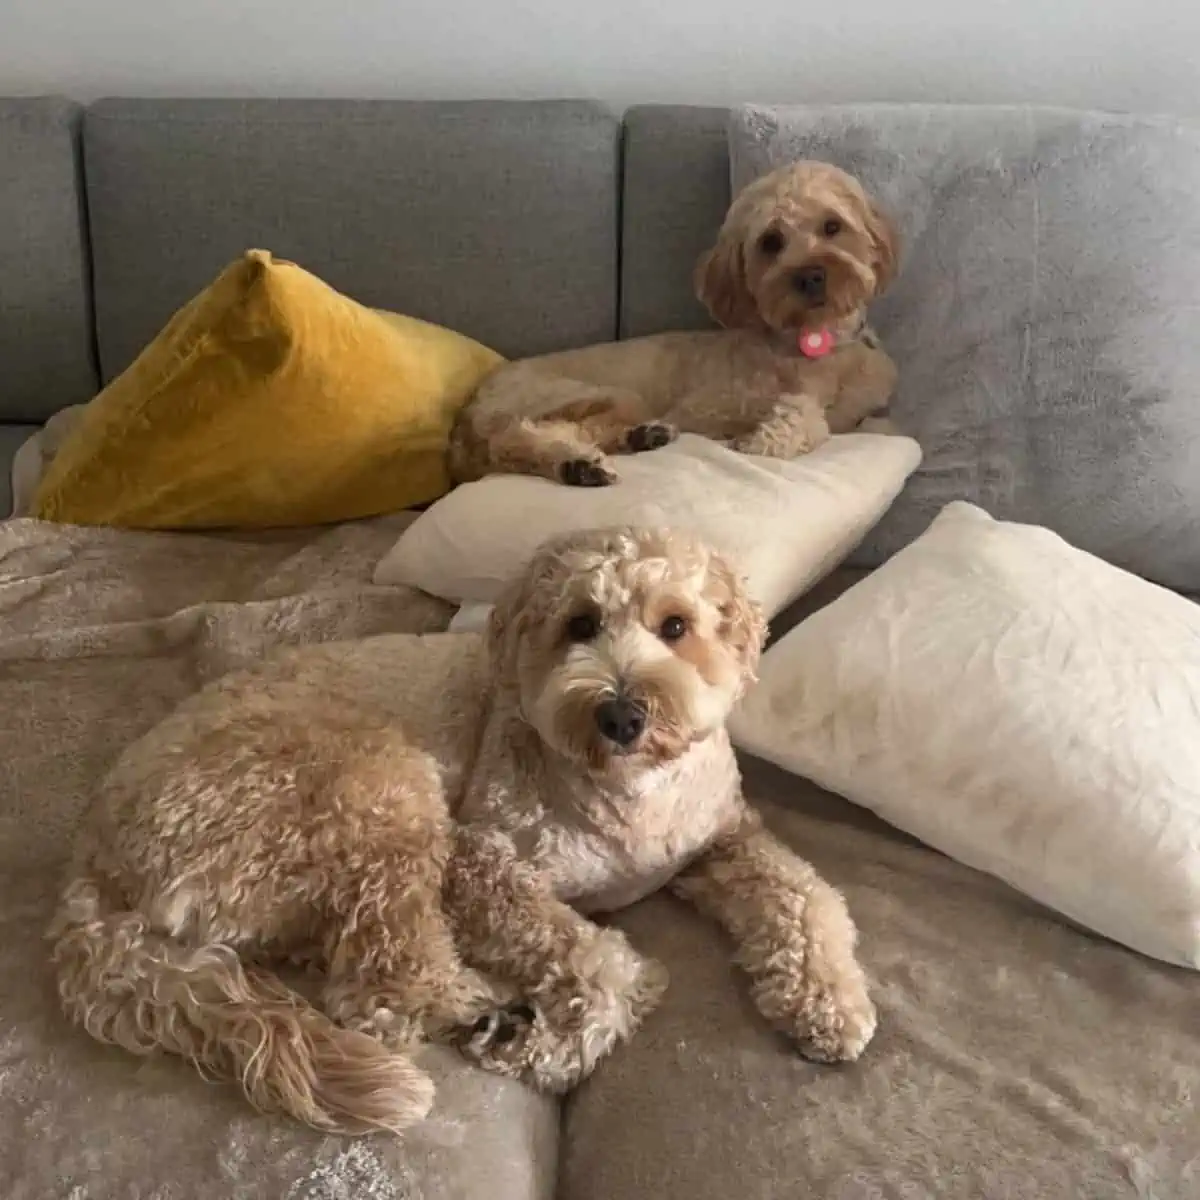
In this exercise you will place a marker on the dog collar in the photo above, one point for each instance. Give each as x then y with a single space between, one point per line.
815 344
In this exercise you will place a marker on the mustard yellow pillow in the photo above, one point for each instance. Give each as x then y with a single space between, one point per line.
268 400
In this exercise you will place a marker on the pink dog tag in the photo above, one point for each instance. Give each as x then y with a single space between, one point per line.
815 345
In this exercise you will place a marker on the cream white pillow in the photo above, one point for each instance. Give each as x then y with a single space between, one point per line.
1018 704
786 523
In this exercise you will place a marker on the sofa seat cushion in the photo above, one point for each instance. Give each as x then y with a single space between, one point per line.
1016 1056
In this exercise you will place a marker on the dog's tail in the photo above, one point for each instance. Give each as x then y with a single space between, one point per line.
131 986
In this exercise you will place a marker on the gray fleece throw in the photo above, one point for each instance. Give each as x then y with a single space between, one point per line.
1046 321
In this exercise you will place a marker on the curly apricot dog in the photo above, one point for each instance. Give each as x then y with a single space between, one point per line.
801 254
428 818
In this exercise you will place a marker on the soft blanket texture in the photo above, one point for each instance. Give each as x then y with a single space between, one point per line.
1016 1057
102 632
1044 318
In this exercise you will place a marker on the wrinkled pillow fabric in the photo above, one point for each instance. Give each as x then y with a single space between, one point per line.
786 523
1044 317
1021 706
269 400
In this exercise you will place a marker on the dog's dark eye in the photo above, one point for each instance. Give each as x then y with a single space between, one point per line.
582 627
771 243
832 227
672 629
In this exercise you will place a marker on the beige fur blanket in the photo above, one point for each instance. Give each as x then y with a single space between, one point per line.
1016 1056
102 632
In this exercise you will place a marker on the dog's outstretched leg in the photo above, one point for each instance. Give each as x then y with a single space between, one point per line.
794 938
795 425
584 988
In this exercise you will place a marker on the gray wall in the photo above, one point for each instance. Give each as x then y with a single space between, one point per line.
1135 54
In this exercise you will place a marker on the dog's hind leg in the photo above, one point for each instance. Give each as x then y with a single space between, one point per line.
555 449
391 963
220 840
568 442
617 422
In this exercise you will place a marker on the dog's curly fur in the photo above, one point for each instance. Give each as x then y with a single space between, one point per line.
427 819
563 415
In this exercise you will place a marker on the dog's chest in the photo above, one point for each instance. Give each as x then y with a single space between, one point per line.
604 853
795 374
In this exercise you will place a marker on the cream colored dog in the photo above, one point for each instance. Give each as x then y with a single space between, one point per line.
427 818
801 254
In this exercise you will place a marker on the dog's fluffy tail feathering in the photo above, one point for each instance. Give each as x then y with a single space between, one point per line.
134 987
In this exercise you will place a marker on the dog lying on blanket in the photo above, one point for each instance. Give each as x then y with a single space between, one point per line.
801 254
428 818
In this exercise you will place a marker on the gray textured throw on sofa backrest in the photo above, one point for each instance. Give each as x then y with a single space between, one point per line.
1047 318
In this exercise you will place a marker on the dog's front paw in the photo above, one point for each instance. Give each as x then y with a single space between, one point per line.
516 1042
831 1022
586 472
841 1029
652 436
753 443
555 1039
762 444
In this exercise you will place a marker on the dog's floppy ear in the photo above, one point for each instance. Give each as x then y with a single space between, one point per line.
505 623
720 282
885 238
743 626
516 606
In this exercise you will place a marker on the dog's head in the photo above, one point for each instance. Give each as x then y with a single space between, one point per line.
625 646
803 248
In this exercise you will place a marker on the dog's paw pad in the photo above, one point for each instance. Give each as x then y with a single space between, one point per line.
649 437
584 472
486 1025
749 444
502 1026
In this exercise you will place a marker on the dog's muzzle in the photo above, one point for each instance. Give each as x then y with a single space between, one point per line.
810 282
621 721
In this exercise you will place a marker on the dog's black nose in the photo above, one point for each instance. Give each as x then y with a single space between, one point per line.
810 282
621 721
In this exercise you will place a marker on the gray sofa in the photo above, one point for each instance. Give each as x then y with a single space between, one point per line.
1017 1058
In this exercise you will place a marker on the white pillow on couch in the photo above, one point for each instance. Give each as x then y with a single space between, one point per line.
786 523
1018 704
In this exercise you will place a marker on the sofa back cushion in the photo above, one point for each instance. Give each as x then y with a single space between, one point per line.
45 327
498 220
674 193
